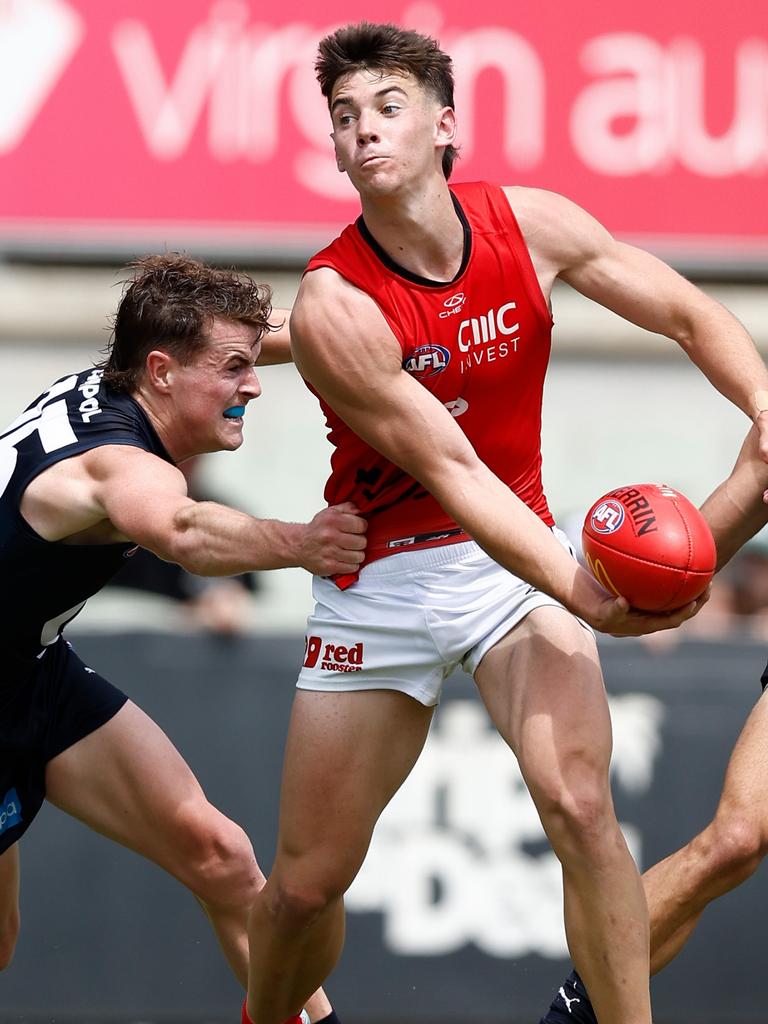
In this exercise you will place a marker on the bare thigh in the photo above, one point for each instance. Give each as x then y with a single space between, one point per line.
347 754
127 781
544 691
745 791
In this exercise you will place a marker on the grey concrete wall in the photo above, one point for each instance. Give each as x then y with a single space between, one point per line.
456 915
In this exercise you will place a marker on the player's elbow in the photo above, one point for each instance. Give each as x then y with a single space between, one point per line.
183 543
698 319
684 325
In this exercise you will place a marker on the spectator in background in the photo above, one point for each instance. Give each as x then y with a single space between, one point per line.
747 580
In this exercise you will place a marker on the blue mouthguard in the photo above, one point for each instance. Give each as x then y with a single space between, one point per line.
235 411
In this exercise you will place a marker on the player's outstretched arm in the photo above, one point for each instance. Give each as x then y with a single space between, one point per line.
737 509
345 349
145 500
209 539
566 241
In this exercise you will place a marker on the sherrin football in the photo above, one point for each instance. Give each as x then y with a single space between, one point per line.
651 545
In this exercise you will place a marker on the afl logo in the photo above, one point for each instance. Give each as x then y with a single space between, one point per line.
607 517
426 361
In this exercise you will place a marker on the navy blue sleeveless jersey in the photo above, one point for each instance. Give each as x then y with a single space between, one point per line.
44 583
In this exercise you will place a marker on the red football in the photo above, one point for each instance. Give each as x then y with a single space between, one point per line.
650 544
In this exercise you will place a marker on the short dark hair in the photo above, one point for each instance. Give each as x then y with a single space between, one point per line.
387 48
170 303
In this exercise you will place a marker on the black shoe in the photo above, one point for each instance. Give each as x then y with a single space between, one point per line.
571 1005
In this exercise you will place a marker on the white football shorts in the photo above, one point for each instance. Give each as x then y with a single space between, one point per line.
412 618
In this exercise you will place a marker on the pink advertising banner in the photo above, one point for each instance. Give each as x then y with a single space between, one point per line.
126 120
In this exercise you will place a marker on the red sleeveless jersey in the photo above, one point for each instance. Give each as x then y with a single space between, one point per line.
479 343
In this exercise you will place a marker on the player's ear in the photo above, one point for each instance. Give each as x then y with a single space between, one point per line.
158 369
445 127
336 153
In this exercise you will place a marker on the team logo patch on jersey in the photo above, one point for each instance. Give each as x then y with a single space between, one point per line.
332 657
607 517
10 810
426 361
453 305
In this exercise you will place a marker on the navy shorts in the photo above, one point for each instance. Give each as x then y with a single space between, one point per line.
41 716
764 678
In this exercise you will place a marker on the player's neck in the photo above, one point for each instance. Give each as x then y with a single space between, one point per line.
161 421
419 230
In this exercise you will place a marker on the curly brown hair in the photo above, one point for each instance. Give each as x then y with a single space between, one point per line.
387 48
170 303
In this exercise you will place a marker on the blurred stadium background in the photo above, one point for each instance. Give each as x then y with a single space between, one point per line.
131 126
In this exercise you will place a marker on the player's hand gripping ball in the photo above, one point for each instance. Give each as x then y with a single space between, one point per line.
651 545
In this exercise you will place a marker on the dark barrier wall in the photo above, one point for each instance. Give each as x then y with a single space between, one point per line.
456 916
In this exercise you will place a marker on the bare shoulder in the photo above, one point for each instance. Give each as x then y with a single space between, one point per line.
555 228
93 465
126 460
333 319
80 492
539 206
324 291
118 467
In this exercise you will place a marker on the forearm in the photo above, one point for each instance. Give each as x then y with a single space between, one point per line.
723 350
276 344
514 536
736 510
212 540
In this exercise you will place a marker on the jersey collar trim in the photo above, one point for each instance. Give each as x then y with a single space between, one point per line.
395 268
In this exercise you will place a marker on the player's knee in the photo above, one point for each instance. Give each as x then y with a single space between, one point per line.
219 864
581 813
9 933
577 816
298 903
